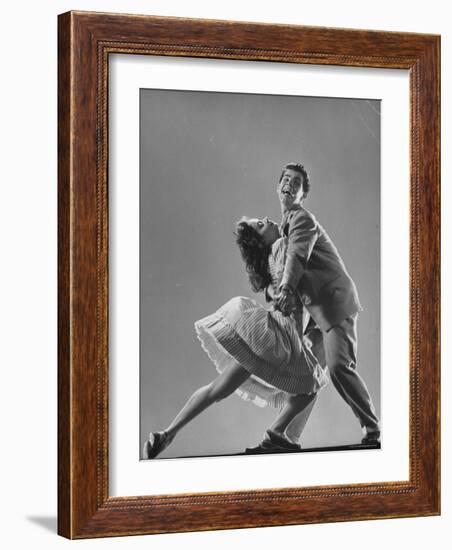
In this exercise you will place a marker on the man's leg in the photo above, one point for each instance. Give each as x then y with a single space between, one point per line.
340 344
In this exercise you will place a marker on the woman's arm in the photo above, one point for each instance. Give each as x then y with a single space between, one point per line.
269 293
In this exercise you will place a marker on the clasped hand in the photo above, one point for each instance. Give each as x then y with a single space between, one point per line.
285 302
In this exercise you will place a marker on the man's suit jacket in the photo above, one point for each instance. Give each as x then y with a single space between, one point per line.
314 269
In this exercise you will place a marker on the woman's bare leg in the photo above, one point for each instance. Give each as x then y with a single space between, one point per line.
225 384
295 405
297 426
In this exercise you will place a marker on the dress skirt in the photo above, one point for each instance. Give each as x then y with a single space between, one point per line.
267 345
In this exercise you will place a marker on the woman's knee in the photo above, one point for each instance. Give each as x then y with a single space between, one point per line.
212 392
227 382
218 391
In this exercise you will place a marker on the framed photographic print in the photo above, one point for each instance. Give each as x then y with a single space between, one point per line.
248 275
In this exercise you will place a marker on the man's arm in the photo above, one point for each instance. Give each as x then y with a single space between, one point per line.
303 233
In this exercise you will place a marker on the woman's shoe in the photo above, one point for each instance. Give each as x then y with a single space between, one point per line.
154 445
279 441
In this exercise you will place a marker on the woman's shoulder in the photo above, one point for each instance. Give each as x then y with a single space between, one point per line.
277 257
279 246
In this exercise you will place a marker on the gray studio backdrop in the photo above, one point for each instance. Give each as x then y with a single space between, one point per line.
207 159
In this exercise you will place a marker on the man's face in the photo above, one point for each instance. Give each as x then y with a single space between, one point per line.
289 188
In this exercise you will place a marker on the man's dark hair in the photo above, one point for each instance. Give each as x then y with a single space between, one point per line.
298 167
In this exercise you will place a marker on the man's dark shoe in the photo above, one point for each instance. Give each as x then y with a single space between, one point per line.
371 438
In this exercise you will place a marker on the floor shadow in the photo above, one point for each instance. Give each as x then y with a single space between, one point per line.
46 522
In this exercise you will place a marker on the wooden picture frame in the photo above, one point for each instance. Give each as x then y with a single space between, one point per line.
85 42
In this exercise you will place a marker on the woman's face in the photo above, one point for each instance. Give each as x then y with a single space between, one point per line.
266 228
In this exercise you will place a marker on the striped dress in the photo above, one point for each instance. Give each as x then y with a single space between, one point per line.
265 343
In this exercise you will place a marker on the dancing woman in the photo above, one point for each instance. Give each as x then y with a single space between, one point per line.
257 352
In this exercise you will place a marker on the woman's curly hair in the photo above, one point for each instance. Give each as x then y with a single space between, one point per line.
255 254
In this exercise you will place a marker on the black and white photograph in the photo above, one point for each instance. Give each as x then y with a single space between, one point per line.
259 274
224 236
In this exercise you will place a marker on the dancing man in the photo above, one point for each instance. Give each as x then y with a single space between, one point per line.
315 273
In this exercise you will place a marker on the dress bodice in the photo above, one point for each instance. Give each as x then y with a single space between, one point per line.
276 264
276 261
